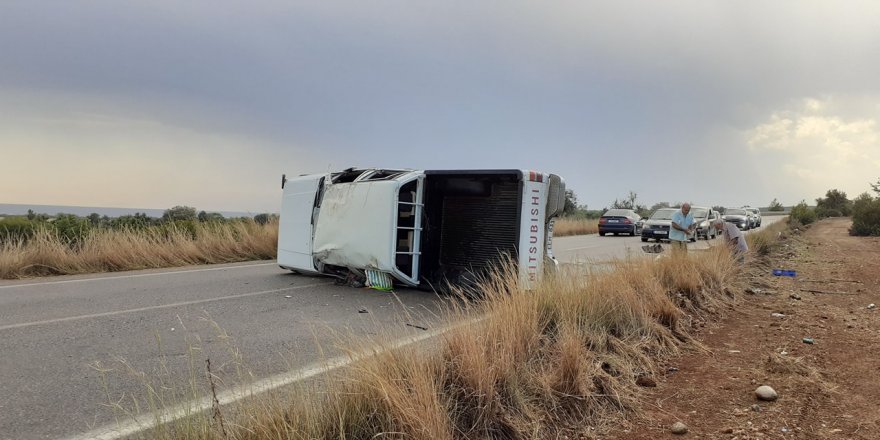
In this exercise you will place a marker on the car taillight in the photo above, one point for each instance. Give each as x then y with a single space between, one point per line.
602 220
627 221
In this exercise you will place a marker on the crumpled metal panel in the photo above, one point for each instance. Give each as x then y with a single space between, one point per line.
355 227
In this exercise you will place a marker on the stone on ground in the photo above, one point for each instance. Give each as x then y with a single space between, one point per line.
764 392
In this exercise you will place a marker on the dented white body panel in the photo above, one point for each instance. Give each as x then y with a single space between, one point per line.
356 225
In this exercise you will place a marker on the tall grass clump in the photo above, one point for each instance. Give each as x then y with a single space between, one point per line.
763 242
47 252
557 360
566 226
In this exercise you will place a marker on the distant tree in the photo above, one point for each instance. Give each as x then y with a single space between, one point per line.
94 219
139 220
720 209
835 204
876 187
211 217
261 218
30 214
629 202
775 206
180 213
571 205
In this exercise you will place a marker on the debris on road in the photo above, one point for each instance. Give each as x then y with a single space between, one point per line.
872 306
653 248
777 315
416 326
784 273
363 311
795 296
809 341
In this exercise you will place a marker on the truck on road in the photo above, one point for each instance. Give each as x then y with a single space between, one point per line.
430 229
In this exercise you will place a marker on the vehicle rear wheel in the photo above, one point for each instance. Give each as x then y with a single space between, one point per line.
633 233
645 239
601 234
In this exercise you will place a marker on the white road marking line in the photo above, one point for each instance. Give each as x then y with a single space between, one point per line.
163 306
126 429
152 274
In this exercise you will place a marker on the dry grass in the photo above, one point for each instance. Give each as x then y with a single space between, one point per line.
575 226
560 359
762 242
106 250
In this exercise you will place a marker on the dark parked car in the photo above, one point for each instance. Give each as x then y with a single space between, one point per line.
739 217
620 221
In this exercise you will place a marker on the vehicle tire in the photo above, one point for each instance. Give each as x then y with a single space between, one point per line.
633 233
644 239
601 234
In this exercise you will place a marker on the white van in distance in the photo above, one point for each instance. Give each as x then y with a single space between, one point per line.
422 228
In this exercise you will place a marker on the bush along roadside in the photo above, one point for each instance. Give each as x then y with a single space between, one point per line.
562 359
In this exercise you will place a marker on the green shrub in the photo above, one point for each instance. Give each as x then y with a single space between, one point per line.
866 216
823 212
16 228
138 221
802 214
70 228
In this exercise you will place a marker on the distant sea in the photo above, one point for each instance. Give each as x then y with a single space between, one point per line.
82 211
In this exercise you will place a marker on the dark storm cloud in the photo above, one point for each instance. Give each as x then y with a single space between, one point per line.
633 93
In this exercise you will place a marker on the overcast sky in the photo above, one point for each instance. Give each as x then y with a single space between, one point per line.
154 104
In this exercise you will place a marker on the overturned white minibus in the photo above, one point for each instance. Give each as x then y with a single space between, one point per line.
422 228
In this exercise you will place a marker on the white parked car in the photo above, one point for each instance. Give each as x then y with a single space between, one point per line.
755 215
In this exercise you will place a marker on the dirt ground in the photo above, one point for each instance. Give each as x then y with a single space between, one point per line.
828 389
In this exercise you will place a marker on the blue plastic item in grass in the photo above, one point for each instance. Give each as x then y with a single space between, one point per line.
784 273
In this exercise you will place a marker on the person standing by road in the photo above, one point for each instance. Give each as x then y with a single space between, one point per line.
682 225
733 238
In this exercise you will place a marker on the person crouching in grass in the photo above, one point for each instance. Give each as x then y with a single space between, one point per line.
733 238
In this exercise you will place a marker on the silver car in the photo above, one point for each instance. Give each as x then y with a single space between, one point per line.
755 215
703 219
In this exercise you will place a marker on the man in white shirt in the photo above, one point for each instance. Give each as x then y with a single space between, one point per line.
682 225
733 238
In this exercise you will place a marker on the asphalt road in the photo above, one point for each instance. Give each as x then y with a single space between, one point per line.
56 332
